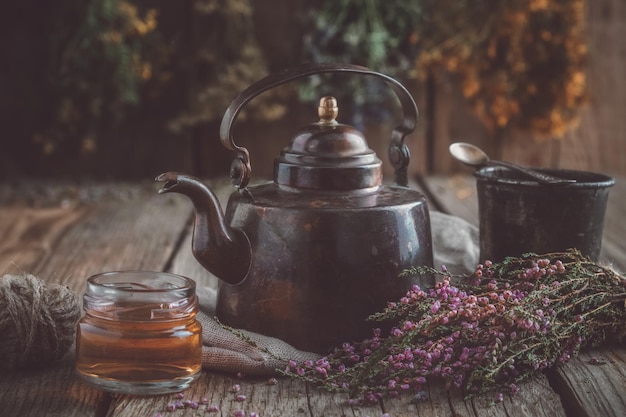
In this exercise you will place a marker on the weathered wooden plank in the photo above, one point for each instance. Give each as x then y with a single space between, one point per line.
534 399
50 392
286 398
146 233
293 398
30 235
594 383
607 56
137 233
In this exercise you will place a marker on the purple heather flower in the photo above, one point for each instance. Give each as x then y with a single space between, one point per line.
321 371
409 325
435 307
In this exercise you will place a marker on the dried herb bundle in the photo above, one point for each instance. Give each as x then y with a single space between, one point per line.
482 332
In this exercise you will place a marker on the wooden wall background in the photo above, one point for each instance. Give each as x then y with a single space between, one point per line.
144 148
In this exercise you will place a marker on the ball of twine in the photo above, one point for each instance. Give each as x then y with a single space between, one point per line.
37 321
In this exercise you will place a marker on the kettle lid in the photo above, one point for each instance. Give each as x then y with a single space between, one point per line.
328 155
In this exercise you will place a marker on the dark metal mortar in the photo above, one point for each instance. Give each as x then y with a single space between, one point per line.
518 216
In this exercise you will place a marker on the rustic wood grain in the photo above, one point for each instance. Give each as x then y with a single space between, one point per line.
68 242
594 383
30 235
50 392
535 398
139 234
136 233
294 398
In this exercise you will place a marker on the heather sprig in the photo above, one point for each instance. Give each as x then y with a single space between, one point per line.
480 332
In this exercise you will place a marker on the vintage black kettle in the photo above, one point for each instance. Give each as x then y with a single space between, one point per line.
308 257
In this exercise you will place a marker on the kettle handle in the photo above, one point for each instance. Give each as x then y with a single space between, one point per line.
398 151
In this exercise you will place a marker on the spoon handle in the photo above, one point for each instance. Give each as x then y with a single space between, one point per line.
537 176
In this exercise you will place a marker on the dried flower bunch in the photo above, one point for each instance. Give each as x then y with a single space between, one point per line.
482 332
521 64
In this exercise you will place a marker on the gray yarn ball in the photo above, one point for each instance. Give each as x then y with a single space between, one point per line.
37 321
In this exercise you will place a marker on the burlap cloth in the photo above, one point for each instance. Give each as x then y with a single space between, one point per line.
455 245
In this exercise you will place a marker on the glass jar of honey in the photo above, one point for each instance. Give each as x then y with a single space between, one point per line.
139 333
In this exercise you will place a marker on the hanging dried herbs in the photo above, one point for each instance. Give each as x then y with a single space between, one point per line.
95 65
521 64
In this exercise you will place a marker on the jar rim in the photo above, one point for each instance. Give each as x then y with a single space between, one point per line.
143 281
125 295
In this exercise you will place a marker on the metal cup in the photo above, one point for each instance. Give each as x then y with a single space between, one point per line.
518 215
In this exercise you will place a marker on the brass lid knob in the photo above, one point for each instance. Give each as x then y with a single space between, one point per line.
328 110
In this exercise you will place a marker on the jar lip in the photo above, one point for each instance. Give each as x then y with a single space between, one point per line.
140 296
143 281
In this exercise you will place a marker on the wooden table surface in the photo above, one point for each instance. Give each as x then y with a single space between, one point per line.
65 233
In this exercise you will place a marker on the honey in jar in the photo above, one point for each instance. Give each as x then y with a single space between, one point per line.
139 333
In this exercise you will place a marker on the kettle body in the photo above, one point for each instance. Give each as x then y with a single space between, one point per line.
323 263
308 257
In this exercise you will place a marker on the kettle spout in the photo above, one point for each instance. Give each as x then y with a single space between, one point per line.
222 250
